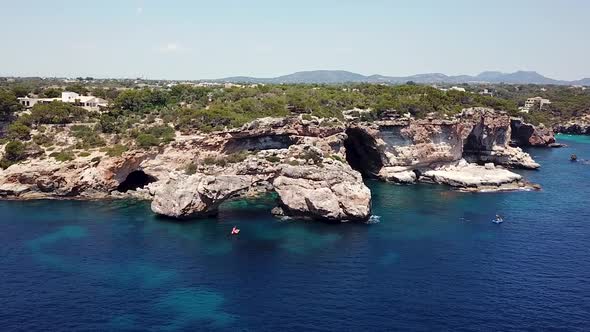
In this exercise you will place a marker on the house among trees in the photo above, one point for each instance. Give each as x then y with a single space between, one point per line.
90 103
530 104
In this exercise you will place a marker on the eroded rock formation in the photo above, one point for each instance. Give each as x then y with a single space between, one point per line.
199 195
486 136
80 178
309 176
405 150
526 134
306 163
580 126
333 192
471 177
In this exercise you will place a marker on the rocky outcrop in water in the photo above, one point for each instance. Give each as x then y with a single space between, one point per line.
486 136
199 195
302 163
526 134
407 143
471 177
333 192
298 160
394 150
404 150
85 178
313 166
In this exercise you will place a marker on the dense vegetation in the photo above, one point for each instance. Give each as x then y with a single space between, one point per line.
207 109
148 117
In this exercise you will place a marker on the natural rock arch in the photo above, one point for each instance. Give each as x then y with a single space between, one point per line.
332 192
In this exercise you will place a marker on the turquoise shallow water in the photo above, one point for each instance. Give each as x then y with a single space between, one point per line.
434 261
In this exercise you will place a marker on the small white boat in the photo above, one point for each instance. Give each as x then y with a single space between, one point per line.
498 220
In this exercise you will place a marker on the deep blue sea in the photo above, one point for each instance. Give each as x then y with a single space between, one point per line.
435 261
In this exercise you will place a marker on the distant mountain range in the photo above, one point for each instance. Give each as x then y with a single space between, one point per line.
341 76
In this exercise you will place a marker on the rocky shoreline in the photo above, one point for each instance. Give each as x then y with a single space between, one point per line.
315 167
526 134
579 126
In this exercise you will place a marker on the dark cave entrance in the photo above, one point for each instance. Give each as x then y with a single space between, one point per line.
361 152
474 143
135 180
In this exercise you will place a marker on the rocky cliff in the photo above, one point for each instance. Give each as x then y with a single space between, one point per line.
486 136
302 161
405 150
580 126
317 187
85 178
314 166
526 134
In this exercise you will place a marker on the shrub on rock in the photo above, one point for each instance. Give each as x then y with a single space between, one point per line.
18 130
147 140
14 152
63 155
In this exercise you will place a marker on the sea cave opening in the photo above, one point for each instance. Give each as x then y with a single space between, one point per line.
473 143
361 152
135 180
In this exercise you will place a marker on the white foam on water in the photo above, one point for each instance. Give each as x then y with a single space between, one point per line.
374 219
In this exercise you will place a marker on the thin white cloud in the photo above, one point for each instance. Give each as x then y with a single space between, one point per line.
171 47
139 10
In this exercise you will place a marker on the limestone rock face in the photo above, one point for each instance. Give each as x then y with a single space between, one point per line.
394 150
414 143
483 128
474 177
526 134
507 156
486 136
333 192
13 189
302 161
314 166
580 126
398 174
42 178
408 151
198 195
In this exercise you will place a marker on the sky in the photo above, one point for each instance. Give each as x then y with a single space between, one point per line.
184 39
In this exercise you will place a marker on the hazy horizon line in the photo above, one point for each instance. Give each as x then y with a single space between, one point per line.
12 75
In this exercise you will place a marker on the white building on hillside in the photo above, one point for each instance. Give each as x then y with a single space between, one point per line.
530 102
486 92
453 88
29 102
90 103
456 88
